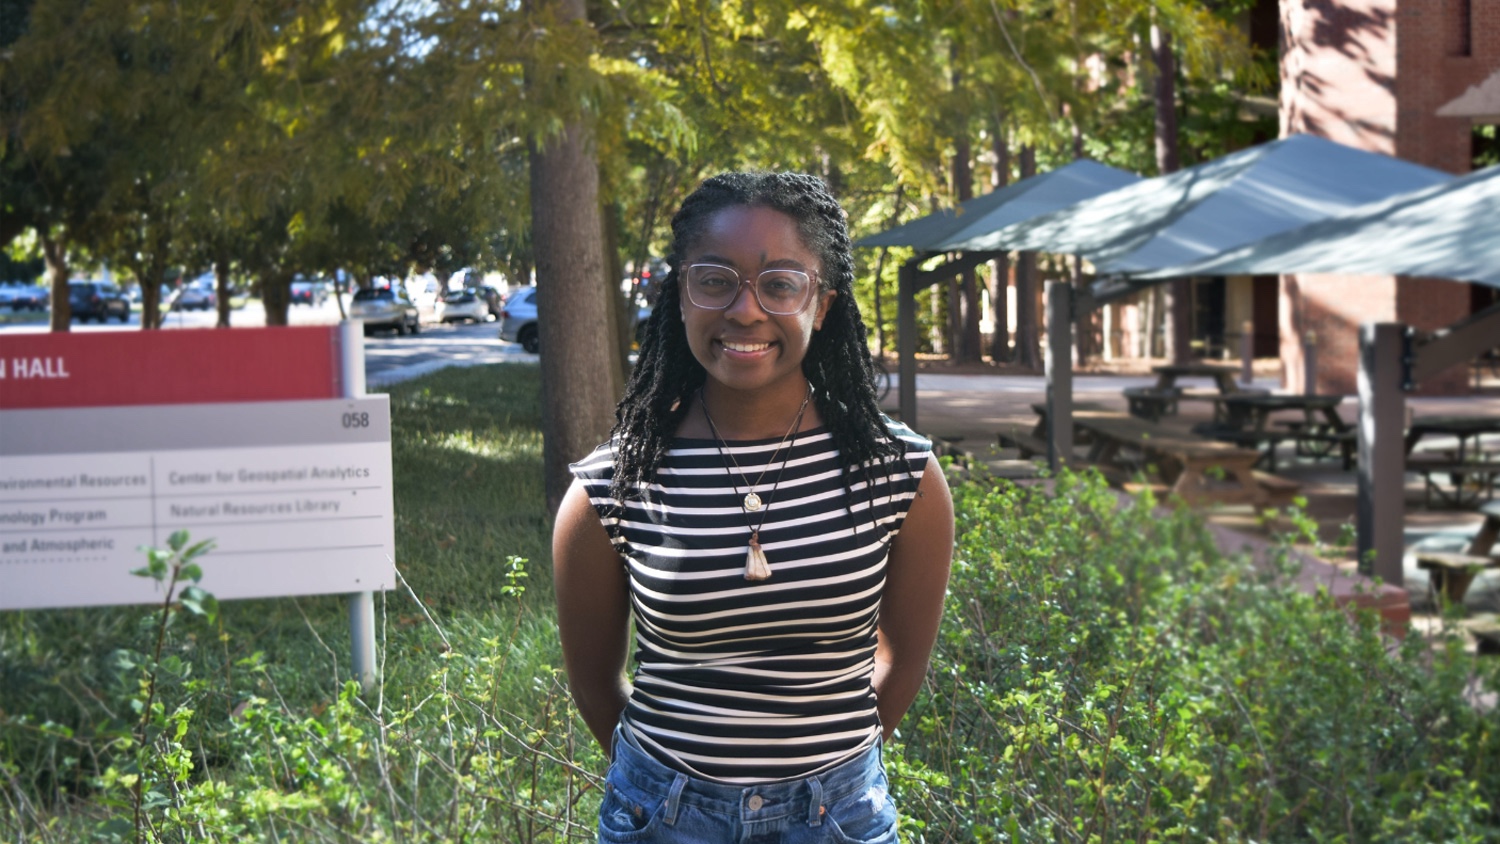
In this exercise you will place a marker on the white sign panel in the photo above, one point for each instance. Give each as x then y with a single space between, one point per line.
295 495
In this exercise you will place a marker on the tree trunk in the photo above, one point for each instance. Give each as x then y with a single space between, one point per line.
276 295
1179 334
969 345
55 253
1028 291
1000 267
880 272
579 370
622 304
221 286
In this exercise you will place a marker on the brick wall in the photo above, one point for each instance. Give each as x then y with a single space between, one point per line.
1371 74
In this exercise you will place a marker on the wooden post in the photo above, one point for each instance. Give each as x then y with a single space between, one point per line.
1380 509
1247 352
1058 365
906 341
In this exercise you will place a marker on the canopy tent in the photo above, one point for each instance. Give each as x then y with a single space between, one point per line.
1023 200
1204 210
1451 230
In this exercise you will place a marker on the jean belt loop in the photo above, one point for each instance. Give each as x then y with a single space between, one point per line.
674 798
814 802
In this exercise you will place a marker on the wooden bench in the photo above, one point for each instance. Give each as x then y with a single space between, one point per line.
1449 574
1029 445
1152 403
1486 638
1199 470
1469 481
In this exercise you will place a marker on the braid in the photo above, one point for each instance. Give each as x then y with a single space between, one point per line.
837 364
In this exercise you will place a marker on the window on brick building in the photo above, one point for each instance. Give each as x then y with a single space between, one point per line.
1486 146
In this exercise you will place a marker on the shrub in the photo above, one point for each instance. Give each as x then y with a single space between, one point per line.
1105 674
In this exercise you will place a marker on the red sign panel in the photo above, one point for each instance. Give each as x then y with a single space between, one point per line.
188 366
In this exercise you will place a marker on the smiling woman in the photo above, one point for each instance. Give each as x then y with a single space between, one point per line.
783 547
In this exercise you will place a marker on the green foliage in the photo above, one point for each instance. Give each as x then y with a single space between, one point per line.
1104 674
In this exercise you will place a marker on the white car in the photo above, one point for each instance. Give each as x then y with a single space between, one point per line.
462 304
385 307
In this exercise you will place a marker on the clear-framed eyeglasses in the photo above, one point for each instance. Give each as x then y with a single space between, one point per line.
781 292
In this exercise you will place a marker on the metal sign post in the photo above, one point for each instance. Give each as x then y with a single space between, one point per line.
361 604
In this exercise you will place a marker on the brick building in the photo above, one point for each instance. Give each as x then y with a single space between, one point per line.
1374 74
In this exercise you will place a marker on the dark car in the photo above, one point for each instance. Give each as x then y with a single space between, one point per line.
309 293
385 307
97 300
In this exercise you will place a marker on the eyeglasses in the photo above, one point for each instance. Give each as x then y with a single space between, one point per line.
780 292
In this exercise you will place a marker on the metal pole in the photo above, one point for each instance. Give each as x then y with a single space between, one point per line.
361 604
1382 452
1058 365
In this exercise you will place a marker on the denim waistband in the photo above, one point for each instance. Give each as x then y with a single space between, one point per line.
803 797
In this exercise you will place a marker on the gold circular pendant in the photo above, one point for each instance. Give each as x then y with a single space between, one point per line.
752 502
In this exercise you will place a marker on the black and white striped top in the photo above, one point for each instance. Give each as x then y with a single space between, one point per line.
756 681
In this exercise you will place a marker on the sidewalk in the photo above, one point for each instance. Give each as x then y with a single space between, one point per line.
969 410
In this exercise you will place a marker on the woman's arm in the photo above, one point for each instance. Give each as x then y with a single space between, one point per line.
593 613
912 604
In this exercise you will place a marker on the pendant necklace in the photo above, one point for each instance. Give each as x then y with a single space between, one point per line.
756 565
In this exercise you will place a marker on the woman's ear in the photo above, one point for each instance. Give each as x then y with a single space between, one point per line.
824 302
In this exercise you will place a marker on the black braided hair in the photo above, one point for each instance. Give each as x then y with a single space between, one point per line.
837 363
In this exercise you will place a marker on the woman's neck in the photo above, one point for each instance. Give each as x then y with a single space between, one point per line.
750 416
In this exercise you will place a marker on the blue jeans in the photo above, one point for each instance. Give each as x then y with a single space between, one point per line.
645 801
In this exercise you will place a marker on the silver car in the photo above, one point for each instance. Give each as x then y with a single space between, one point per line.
385 307
518 320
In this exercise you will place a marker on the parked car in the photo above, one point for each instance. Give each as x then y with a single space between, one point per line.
493 298
385 307
462 304
23 297
309 293
195 296
97 300
518 320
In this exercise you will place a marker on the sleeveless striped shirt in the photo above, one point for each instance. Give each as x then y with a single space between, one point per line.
756 681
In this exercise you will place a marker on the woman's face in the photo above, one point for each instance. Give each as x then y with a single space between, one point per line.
742 347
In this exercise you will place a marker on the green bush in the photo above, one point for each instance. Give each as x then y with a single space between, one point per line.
1103 674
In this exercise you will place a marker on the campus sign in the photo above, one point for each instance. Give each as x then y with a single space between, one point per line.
113 441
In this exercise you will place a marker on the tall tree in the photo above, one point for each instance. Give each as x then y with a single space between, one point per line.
580 381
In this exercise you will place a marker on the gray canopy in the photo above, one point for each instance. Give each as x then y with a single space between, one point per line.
1205 210
1023 200
1450 230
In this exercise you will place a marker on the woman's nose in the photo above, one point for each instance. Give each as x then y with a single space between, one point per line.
746 307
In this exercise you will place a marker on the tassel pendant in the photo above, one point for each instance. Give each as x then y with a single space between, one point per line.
756 566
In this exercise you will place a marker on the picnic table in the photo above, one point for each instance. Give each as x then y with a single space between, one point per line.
1199 470
1222 376
1246 420
1469 470
1450 574
1163 399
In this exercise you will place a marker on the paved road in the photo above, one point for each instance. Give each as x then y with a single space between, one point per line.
388 358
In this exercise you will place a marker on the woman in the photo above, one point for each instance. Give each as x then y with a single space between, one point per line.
783 546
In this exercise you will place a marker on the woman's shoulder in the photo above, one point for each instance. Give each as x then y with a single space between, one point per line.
599 465
911 442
